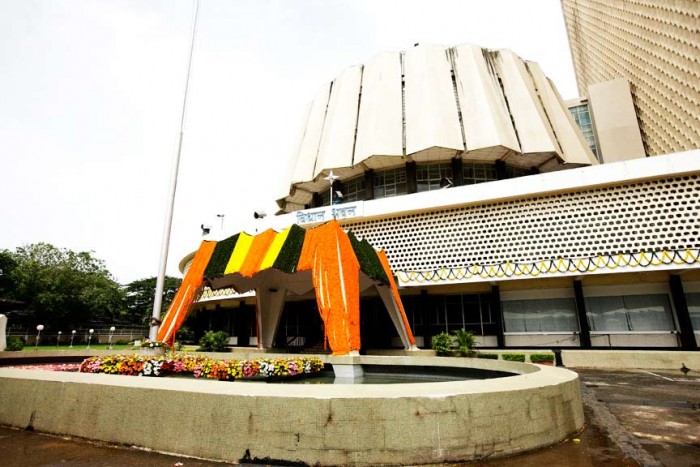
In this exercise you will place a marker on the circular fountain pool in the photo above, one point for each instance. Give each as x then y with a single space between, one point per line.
324 424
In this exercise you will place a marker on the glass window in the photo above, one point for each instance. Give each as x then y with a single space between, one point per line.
390 183
478 173
582 117
354 190
630 313
693 300
428 176
549 315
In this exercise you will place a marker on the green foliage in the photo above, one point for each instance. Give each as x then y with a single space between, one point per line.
541 357
14 344
289 254
185 334
213 341
442 344
63 287
488 356
514 357
220 256
139 297
465 341
367 257
7 266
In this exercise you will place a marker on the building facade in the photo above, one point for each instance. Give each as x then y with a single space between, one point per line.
655 45
495 214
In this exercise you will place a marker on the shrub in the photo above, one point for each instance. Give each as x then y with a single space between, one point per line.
213 341
488 356
14 344
442 344
514 357
186 335
465 341
541 357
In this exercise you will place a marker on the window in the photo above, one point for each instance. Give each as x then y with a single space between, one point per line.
478 173
582 117
471 312
549 315
515 172
390 183
694 309
428 176
630 313
354 190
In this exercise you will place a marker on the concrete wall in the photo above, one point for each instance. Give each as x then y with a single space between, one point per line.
631 359
319 424
615 121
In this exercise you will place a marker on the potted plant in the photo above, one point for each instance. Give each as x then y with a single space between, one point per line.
442 344
152 348
465 342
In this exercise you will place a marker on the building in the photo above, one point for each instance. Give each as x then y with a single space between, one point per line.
654 45
468 169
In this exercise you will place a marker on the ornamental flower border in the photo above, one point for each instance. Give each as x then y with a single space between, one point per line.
201 366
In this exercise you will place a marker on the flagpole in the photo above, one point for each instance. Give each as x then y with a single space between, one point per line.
160 282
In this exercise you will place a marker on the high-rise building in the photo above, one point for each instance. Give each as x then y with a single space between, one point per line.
653 44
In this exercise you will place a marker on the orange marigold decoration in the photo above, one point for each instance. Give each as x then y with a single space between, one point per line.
190 287
335 272
334 258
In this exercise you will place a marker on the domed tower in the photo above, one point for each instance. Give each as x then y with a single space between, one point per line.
406 122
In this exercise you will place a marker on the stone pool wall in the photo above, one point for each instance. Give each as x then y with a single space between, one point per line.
318 424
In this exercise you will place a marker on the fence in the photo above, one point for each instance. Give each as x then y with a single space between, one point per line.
80 336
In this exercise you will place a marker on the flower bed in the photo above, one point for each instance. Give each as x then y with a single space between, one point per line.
202 366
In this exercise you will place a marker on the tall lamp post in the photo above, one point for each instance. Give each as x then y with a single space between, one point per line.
160 282
72 336
221 232
39 328
111 333
58 339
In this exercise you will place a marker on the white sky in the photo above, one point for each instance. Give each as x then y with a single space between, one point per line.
91 92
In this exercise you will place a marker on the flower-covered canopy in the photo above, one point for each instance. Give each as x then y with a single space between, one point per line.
336 265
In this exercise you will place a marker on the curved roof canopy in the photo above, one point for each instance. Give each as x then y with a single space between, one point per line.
431 104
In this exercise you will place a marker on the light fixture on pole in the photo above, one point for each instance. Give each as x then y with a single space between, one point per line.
89 338
160 281
71 338
58 339
39 328
331 178
111 333
221 216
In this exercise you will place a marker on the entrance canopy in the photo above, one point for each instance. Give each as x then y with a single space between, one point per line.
336 265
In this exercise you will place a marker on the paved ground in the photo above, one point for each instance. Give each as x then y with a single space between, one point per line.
634 417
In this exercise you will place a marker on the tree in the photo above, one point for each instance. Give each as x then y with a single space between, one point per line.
140 295
7 265
64 288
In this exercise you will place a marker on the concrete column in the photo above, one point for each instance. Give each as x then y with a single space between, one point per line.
3 327
498 315
456 164
395 315
585 336
688 341
501 170
270 304
369 184
411 181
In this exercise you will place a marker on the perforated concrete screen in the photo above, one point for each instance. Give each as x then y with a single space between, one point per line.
649 216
